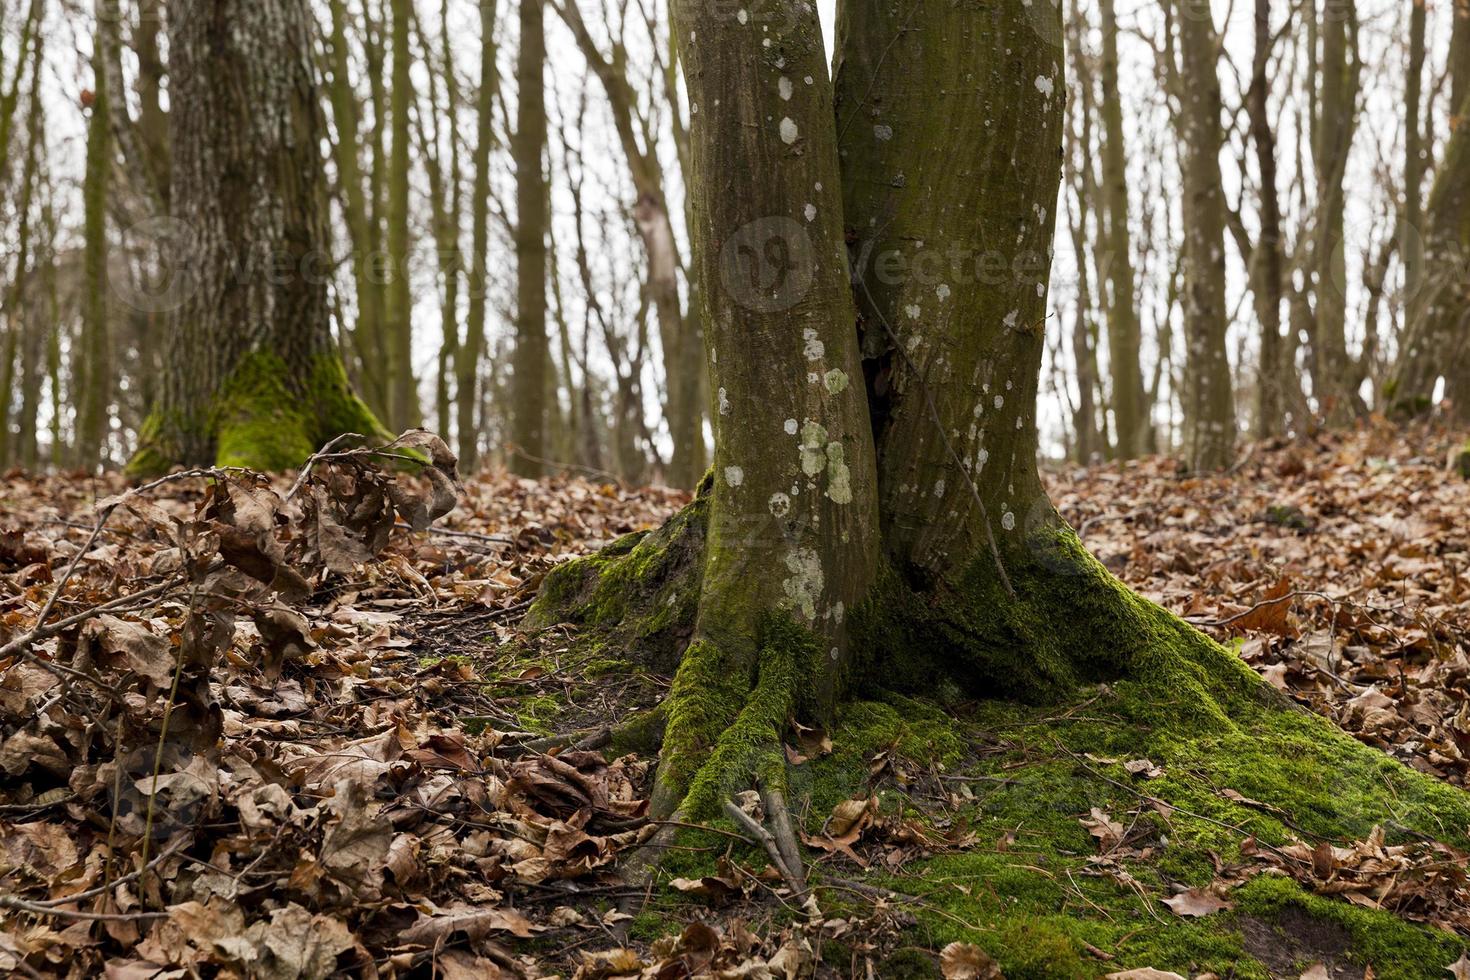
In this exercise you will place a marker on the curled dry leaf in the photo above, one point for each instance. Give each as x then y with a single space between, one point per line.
966 961
1196 903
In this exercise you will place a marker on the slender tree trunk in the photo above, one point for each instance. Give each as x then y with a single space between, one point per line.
1266 257
532 363
27 316
94 373
1335 378
1411 229
152 117
367 333
1208 397
1130 408
10 97
447 226
403 402
467 357
253 376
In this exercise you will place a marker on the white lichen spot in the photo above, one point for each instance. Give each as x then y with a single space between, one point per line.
938 489
1008 521
912 310
942 291
1012 318
1040 289
981 458
836 381
724 400
742 16
839 612
814 348
804 586
780 504
791 427
788 131
734 476
808 79
1045 85
783 87
813 448
883 133
810 211
1000 400
839 479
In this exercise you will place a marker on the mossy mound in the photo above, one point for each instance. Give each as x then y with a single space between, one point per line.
1030 891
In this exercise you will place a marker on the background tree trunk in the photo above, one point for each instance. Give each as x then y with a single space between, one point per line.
1336 378
253 376
1129 403
532 363
403 402
1208 396
1266 258
94 360
467 358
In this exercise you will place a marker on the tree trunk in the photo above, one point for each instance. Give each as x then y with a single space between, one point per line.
94 361
1208 397
403 401
1266 259
1130 408
368 344
467 357
532 362
902 539
253 376
1336 377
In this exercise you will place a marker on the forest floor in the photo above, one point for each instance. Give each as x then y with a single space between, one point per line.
397 780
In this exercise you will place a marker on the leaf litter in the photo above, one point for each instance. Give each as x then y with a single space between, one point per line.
240 744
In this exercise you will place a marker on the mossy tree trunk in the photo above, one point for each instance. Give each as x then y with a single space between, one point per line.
530 407
874 516
253 376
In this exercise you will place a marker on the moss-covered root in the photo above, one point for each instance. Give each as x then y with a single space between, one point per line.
640 595
723 736
1070 621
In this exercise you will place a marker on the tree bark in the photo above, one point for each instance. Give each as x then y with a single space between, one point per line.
532 360
1266 258
253 377
1336 377
94 363
467 357
1130 407
403 403
1208 396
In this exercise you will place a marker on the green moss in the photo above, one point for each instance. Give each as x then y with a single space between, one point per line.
638 597
265 417
747 748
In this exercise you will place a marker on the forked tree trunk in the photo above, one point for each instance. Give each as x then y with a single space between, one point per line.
875 517
253 375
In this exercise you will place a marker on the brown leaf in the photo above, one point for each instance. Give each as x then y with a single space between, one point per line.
966 961
1196 903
